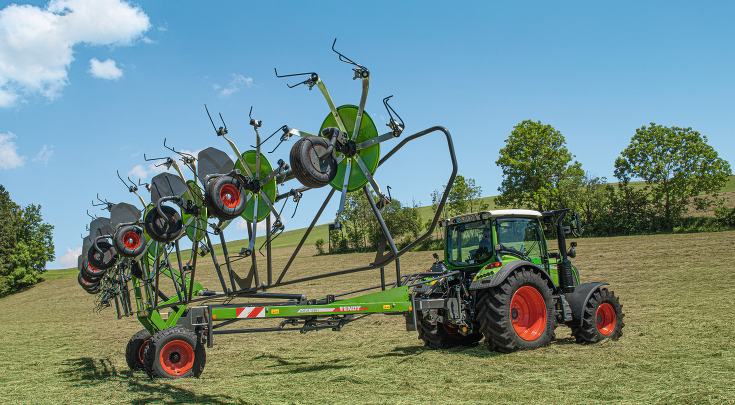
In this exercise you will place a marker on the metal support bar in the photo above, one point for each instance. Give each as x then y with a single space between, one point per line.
269 267
306 235
227 260
383 226
216 265
181 270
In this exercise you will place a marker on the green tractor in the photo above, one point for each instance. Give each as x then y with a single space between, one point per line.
499 280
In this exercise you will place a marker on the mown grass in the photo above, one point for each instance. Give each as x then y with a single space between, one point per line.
677 293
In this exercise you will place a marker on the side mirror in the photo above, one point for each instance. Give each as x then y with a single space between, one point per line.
576 225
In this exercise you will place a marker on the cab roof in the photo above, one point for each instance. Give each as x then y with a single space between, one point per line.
477 216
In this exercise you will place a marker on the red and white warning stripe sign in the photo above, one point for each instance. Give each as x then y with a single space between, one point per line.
250 312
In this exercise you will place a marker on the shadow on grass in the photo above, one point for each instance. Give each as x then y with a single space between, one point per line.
296 367
89 372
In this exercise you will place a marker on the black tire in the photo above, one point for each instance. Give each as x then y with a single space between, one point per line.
161 230
174 353
602 318
136 270
129 241
305 162
225 197
496 315
100 261
135 348
442 336
91 274
90 287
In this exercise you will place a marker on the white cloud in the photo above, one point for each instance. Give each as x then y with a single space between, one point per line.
242 225
235 84
107 70
36 44
216 86
148 40
163 28
140 172
69 260
9 157
44 155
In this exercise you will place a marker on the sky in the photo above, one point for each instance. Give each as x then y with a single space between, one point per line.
87 87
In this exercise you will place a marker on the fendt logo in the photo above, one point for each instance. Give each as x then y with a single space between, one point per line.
349 309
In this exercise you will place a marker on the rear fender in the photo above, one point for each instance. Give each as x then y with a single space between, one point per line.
578 299
505 271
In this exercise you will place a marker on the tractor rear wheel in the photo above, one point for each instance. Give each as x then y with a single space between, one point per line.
602 318
443 336
136 347
174 353
518 314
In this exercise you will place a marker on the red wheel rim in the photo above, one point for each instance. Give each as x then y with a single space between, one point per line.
131 240
528 313
141 350
230 196
177 357
314 158
605 318
91 267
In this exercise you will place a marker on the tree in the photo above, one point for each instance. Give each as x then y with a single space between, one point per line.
25 244
464 197
537 172
677 164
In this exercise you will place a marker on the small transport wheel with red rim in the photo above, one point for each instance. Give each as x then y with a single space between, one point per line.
225 197
307 167
102 259
518 314
174 353
129 241
602 318
166 228
136 347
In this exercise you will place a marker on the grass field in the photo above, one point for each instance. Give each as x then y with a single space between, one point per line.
677 292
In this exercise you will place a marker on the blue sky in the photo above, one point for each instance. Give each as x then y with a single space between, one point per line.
87 87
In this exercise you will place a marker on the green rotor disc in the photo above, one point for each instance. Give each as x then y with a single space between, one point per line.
370 156
268 188
195 231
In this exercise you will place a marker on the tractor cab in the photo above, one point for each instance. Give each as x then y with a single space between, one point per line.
490 238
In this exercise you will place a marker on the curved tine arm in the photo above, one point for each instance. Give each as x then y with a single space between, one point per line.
442 202
163 200
97 248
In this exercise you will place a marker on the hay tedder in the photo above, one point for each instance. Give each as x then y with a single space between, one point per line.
510 289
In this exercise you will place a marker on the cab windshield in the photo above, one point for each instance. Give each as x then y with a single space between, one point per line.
466 244
519 235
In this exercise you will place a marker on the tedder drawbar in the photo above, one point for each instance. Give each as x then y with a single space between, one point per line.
497 281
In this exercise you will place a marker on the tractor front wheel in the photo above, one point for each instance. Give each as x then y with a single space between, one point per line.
443 336
135 349
174 353
602 318
518 314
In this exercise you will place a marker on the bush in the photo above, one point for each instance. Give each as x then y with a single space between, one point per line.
725 216
320 246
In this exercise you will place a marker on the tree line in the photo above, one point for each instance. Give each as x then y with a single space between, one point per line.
25 244
679 172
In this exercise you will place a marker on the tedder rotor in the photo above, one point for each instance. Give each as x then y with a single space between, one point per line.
132 256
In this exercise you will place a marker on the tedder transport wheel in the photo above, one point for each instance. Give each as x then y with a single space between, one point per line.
306 165
129 241
161 230
518 314
442 336
136 347
602 318
225 197
174 353
101 261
